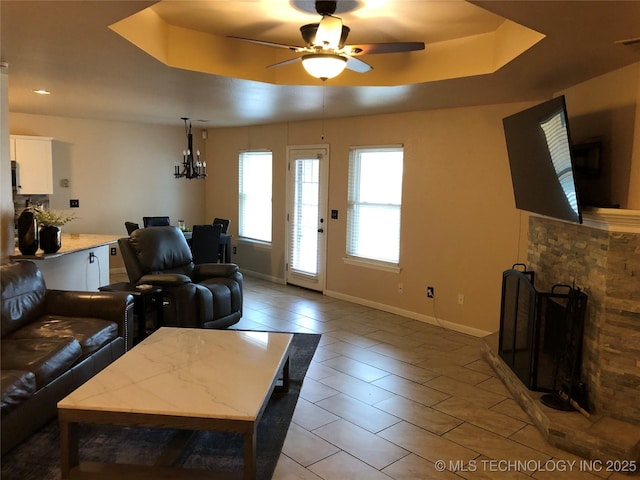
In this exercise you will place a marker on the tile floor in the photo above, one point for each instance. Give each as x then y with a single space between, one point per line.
388 397
391 397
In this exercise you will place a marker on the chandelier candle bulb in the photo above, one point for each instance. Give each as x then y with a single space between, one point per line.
191 167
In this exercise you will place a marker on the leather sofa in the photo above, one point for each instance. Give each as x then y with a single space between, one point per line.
52 341
207 295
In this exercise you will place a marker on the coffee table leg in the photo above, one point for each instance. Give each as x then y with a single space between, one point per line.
284 388
250 452
285 376
68 447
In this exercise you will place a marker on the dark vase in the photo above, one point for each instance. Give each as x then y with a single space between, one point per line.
27 233
50 239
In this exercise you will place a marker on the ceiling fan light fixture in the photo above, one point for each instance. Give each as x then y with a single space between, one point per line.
324 65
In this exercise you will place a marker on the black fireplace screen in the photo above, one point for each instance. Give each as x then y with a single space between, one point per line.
516 323
541 332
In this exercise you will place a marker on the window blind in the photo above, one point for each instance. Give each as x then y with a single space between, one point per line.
375 203
304 219
255 186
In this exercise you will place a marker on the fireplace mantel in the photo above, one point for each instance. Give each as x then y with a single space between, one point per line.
612 219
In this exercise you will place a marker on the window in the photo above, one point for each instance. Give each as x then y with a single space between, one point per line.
255 196
374 203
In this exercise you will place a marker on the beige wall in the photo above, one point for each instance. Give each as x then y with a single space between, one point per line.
607 107
460 228
223 146
6 201
459 223
119 171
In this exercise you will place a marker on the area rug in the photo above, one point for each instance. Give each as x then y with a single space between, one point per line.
38 458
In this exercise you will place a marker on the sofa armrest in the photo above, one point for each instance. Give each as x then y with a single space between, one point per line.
212 270
164 279
115 307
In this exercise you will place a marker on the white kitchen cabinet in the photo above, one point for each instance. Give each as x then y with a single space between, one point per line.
34 164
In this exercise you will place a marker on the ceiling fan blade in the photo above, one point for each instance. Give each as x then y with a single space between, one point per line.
286 62
295 48
329 32
392 47
357 65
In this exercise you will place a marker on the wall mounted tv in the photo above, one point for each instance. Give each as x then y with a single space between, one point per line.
540 157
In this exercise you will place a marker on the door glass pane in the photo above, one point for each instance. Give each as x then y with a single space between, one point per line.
304 224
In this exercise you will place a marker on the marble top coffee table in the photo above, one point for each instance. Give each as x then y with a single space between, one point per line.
184 378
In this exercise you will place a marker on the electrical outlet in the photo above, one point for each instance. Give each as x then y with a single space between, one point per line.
234 250
113 251
74 203
92 257
431 293
461 299
400 288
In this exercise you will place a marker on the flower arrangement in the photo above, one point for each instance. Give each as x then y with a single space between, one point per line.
50 218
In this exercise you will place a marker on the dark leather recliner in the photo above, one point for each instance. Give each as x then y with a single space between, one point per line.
207 295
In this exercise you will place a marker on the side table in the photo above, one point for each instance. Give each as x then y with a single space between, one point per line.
143 300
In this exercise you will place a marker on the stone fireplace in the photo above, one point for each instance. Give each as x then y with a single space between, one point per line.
602 257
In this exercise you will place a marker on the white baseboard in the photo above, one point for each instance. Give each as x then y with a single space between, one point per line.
262 276
475 332
456 327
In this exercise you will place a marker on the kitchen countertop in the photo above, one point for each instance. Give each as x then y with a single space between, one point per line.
71 243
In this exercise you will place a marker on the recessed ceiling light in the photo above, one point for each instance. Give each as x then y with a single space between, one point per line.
42 92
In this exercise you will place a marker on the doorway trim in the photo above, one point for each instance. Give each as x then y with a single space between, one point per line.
323 213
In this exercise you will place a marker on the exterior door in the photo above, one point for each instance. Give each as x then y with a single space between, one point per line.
307 216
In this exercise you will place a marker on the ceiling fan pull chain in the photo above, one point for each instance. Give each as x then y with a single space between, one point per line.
324 85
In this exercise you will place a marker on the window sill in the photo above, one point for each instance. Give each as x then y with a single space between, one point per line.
374 264
255 243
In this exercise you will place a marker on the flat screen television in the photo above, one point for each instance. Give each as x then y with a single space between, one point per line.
540 157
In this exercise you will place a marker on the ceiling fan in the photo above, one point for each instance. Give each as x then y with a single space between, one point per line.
325 54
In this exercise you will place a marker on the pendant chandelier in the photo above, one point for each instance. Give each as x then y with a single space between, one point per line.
191 166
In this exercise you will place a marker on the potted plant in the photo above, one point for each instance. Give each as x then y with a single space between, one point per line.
49 221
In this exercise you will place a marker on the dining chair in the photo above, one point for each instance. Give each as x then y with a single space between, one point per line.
155 221
224 222
131 227
205 243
